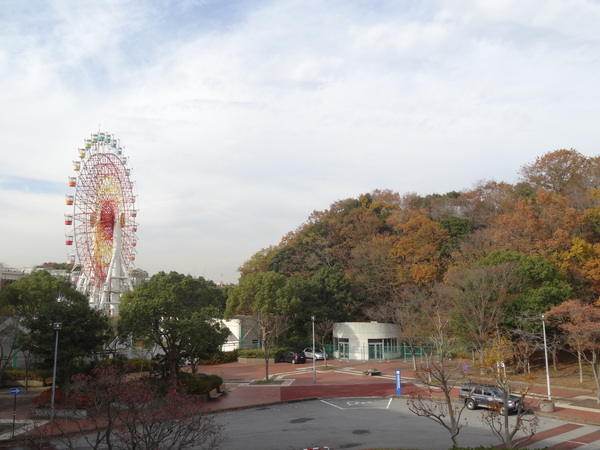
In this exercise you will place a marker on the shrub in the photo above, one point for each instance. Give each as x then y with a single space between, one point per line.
197 386
34 374
221 358
198 383
137 364
133 413
160 384
45 398
279 351
215 380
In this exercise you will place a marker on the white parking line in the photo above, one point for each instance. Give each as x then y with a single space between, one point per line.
331 404
360 404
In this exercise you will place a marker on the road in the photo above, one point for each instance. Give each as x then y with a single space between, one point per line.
361 423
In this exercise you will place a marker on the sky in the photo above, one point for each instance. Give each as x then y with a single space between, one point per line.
241 118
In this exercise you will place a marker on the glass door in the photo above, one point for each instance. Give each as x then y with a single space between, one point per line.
376 350
344 349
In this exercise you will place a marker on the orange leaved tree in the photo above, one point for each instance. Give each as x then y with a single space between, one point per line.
581 324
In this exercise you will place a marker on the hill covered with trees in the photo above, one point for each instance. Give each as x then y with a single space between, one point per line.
494 257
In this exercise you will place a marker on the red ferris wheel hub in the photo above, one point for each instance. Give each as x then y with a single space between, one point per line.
107 220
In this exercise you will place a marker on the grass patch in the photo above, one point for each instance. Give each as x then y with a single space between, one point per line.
566 376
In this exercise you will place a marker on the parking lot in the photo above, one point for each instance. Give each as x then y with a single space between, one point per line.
358 423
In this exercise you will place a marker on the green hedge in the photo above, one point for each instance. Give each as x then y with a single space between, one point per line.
251 353
138 364
221 358
34 374
129 364
275 352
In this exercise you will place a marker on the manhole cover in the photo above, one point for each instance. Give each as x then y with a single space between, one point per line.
301 420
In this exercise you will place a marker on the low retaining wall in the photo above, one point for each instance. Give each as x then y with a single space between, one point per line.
255 360
61 413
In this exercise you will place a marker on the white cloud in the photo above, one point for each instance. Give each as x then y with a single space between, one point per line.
242 118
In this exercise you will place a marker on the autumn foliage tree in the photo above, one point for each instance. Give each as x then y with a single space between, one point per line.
481 295
581 324
497 367
439 373
418 247
564 171
545 225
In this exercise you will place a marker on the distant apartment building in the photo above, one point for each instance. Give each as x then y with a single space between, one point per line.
10 274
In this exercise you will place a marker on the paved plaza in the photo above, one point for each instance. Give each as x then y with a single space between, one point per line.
289 383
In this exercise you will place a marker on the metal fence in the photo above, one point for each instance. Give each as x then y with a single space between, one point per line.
371 352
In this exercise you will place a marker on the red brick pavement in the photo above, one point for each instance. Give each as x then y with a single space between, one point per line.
299 383
347 380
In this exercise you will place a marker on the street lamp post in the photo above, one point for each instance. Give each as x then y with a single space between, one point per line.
314 359
546 356
57 326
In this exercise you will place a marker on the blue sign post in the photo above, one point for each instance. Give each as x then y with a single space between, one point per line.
398 383
15 391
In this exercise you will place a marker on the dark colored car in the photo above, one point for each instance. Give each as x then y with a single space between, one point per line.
483 396
294 357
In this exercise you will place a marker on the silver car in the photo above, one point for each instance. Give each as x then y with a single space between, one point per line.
317 354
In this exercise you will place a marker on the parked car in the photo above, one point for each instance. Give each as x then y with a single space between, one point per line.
294 357
483 396
317 354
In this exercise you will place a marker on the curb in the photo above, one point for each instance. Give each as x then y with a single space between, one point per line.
260 405
567 418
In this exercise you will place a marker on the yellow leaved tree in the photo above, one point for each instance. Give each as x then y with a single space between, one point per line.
496 370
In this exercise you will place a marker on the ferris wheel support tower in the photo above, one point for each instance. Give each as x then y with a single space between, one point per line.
118 281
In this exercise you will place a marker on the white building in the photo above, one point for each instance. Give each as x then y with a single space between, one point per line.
365 341
244 333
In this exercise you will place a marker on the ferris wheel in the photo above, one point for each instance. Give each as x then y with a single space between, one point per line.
101 222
